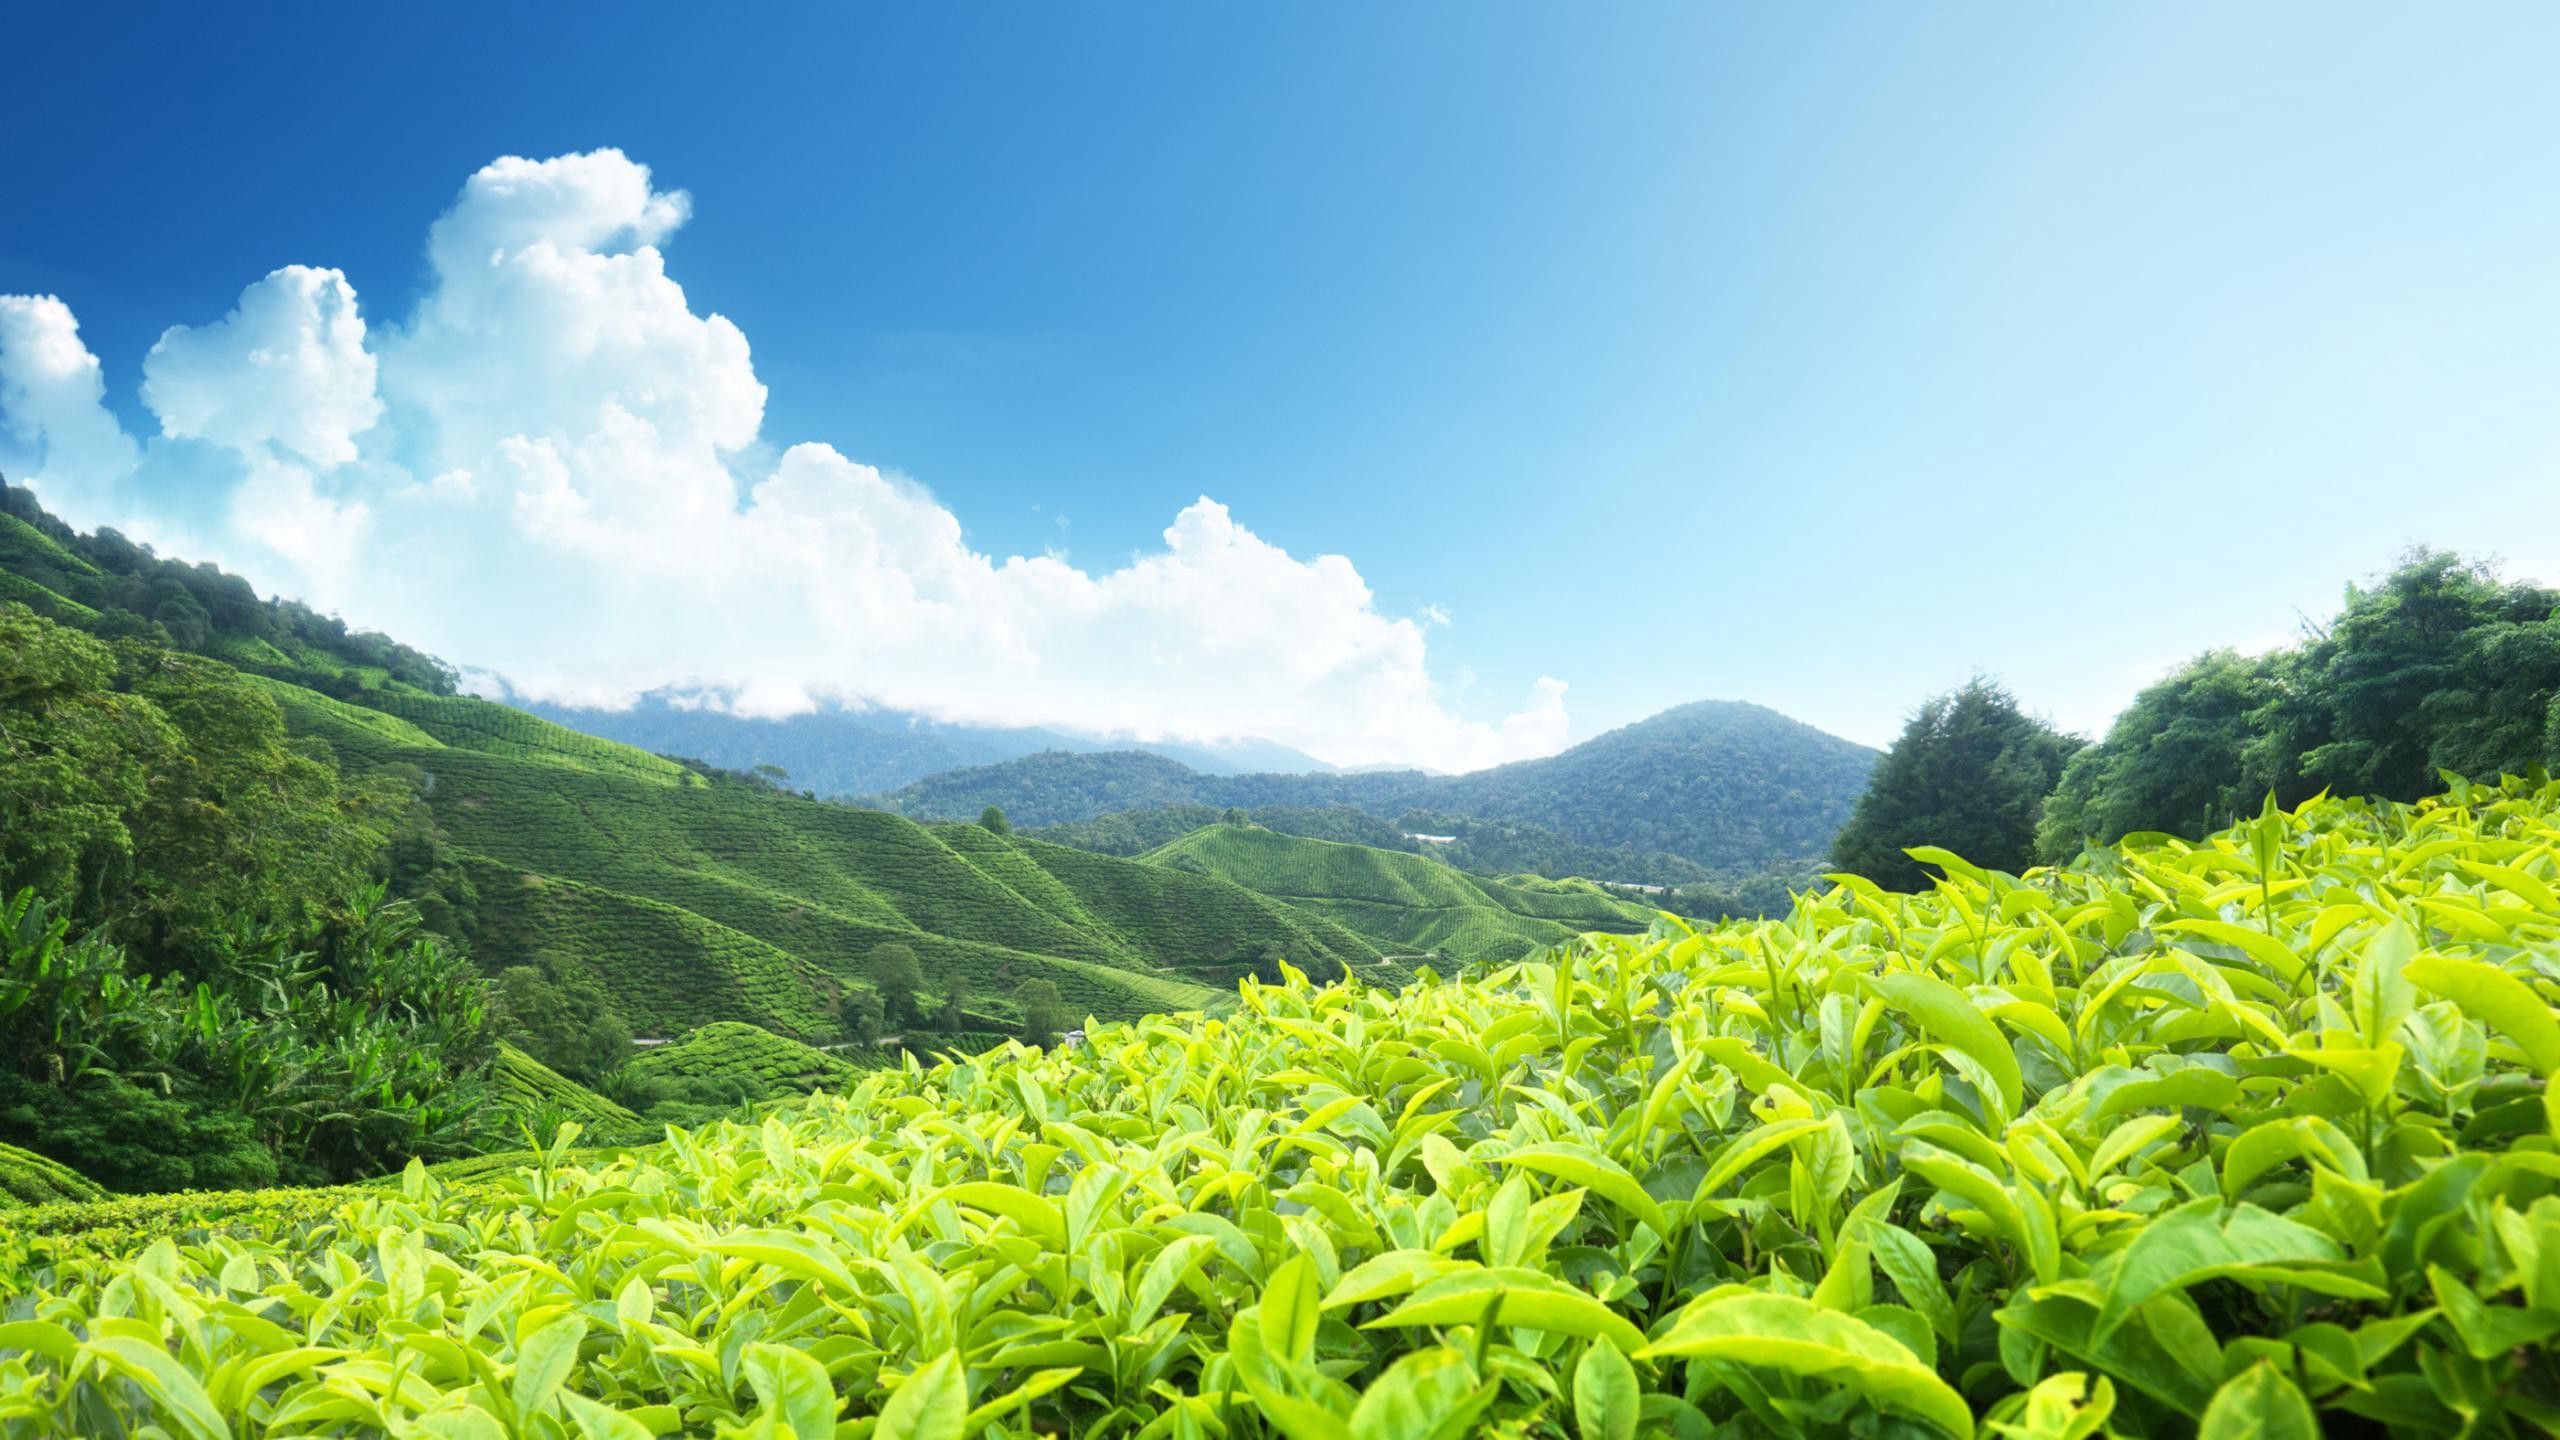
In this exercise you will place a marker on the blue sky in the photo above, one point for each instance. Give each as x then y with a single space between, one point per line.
1818 358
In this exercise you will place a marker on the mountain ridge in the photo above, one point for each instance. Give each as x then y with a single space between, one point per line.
1727 784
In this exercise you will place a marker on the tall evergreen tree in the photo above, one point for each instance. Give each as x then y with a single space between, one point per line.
1969 774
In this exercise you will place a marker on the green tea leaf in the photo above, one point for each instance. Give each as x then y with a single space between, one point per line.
1783 1333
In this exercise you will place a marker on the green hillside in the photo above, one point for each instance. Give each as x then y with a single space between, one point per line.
694 902
27 1178
683 896
1408 905
543 1097
762 1064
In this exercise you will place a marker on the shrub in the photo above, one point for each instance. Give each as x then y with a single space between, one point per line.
2251 1136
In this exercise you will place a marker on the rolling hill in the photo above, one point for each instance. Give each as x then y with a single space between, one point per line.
1728 786
690 898
1413 908
694 901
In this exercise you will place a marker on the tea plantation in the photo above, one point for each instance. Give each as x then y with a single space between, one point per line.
693 902
2246 1137
1404 903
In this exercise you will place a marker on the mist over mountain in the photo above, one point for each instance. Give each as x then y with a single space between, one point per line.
839 750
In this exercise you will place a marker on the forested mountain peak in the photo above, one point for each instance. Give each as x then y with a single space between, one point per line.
1723 784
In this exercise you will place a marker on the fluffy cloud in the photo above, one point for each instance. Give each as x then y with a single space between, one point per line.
287 369
554 469
53 403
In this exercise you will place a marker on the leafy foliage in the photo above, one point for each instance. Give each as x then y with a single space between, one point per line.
2439 668
27 1178
323 1056
2242 1137
112 587
1969 774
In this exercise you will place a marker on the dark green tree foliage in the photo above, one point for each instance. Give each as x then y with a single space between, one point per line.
321 1056
1043 1013
563 1018
956 990
861 1015
1969 774
157 796
2183 757
76 760
123 590
992 820
898 977
2441 667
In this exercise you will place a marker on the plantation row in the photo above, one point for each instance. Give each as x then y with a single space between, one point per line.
2246 1137
1405 903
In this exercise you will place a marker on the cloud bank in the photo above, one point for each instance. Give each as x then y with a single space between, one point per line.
554 470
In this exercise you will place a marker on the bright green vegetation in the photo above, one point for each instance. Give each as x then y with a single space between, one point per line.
2243 1137
1487 847
1716 787
115 589
268 891
1412 908
762 1064
27 1178
544 1099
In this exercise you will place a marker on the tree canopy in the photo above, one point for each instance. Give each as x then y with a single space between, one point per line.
2441 667
1970 774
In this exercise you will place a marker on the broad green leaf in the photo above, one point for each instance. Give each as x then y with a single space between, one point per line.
2199 1242
1946 1012
2257 944
791 1384
1528 1299
180 1396
1291 1310
2259 1404
932 1403
1428 1395
1593 1171
598 1421
2495 999
544 1361
1607 1399
2261 1148
1783 1333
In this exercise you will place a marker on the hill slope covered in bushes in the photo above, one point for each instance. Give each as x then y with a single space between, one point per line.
2251 1136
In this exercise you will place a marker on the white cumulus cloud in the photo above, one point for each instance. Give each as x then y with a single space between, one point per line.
555 469
53 404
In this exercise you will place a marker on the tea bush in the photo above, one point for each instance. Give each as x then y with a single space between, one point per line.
2242 1137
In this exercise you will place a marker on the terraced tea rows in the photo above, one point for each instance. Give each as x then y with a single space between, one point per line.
1403 903
2249 1137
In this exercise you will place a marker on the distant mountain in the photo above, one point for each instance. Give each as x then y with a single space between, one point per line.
839 751
1730 786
